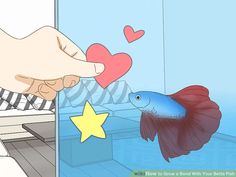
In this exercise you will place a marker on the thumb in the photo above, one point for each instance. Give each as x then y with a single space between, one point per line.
74 60
78 67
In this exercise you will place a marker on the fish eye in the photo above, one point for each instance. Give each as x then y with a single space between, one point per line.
138 97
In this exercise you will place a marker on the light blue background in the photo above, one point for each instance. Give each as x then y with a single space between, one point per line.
199 42
200 38
88 22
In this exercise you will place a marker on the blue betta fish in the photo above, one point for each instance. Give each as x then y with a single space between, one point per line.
183 121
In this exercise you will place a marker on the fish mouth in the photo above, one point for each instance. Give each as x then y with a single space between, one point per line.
143 107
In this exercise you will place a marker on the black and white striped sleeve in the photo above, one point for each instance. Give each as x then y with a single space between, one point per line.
4 105
39 103
12 100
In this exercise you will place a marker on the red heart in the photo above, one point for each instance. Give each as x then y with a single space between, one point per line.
131 35
115 65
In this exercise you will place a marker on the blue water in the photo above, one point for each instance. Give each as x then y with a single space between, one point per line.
123 150
186 42
138 154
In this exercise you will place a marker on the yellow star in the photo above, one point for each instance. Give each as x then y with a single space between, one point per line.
90 123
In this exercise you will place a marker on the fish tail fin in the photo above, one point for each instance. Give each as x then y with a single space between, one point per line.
167 132
180 136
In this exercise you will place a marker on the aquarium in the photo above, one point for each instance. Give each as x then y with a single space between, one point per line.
140 119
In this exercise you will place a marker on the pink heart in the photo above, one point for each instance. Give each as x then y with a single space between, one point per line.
115 65
131 35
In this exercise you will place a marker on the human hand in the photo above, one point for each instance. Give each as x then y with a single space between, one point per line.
42 63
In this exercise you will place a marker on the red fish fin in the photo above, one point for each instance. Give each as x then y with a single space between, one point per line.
201 122
179 137
167 131
147 128
202 118
193 90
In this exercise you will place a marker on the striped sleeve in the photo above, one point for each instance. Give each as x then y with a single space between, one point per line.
12 100
39 103
17 100
4 105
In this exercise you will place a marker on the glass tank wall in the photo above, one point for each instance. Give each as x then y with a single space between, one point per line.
185 43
